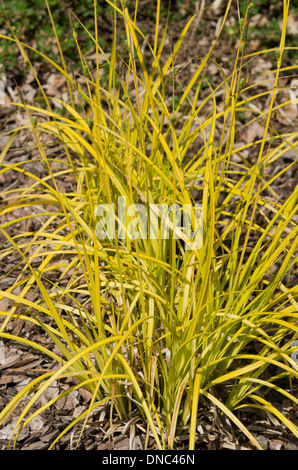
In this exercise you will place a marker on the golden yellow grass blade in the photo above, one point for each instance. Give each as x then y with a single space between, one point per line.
268 406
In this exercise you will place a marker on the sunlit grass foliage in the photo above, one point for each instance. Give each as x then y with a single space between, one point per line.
145 325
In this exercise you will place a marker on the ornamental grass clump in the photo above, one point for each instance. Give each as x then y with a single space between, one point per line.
153 326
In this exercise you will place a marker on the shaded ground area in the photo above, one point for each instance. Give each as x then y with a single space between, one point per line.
104 431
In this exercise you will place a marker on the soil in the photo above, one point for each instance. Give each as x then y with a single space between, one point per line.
105 432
